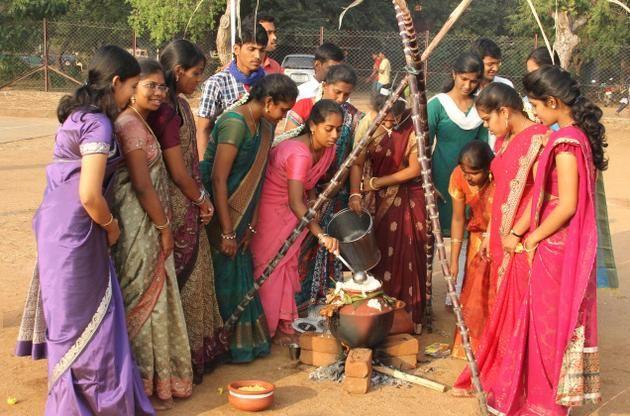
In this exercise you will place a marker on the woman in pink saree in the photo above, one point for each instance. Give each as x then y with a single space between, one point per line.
519 143
294 168
554 364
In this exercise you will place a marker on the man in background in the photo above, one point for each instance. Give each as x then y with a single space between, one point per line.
270 65
384 73
326 55
490 54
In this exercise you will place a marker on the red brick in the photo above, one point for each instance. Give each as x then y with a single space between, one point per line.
403 362
359 363
318 359
397 345
319 342
357 385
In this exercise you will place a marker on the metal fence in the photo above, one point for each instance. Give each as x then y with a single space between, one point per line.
56 54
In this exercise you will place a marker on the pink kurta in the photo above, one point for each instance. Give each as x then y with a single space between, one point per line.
290 160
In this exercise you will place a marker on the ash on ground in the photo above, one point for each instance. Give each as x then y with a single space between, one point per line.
336 372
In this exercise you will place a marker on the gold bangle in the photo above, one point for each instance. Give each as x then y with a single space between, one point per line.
529 250
355 194
371 183
111 220
456 240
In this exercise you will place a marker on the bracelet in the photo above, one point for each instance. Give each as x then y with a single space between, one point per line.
356 194
371 183
229 236
456 240
251 229
515 234
321 236
164 226
111 220
203 195
529 250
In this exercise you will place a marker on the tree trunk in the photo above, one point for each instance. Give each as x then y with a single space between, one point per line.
224 43
566 38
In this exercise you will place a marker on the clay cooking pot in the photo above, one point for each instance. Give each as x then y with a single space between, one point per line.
250 401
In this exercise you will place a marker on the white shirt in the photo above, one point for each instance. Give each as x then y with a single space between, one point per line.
308 89
503 81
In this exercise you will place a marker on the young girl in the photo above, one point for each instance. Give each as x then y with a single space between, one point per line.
554 361
472 187
90 367
294 168
519 142
233 169
174 126
143 259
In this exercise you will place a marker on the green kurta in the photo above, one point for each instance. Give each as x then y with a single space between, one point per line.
451 138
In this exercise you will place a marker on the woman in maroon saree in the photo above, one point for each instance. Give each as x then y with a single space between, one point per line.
520 140
391 175
554 363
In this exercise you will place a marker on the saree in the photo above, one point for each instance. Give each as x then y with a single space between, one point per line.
155 319
291 160
74 314
319 270
193 260
479 288
234 276
512 170
400 222
554 364
449 129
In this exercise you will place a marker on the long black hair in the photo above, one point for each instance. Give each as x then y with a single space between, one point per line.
553 81
149 66
183 53
542 57
341 73
322 109
467 62
496 95
279 87
97 94
477 154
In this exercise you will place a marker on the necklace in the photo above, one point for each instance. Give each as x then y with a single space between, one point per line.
251 115
144 122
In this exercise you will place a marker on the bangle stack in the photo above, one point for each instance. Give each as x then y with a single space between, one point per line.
111 220
203 195
228 236
251 229
163 226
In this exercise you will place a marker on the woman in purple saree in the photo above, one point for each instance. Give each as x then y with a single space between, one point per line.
90 366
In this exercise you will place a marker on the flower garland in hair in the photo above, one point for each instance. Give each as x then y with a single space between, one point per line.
243 100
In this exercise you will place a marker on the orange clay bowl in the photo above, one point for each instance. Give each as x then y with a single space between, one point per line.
251 401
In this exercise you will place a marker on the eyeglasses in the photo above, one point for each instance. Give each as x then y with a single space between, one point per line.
155 86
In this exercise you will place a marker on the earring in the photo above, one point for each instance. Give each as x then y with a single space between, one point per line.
176 78
133 99
267 109
553 106
507 122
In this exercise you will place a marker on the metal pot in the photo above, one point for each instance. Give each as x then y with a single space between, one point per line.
359 325
356 238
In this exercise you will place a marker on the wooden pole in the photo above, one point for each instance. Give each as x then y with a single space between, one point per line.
321 35
425 382
45 53
419 118
134 43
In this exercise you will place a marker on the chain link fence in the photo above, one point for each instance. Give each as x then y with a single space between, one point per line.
68 47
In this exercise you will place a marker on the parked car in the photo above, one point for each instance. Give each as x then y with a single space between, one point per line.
299 67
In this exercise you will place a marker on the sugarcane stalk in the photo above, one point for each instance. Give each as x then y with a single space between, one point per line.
419 117
330 190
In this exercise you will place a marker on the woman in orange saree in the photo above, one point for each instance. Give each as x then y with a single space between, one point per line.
471 186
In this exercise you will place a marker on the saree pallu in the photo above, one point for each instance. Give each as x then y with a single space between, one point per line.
155 319
554 363
193 259
234 276
512 171
399 222
290 160
319 270
74 314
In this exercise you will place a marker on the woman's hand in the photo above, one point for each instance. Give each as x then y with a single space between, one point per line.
166 241
509 243
206 211
369 184
228 247
484 251
113 232
355 203
331 244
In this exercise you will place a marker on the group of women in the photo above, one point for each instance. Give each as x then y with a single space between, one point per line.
529 295
137 273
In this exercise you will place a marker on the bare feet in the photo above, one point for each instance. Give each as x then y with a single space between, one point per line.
159 404
285 339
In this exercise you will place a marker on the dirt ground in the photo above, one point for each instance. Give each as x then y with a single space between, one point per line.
22 181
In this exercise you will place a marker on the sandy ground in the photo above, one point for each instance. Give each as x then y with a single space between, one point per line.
22 180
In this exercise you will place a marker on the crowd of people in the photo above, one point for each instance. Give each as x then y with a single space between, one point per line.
156 224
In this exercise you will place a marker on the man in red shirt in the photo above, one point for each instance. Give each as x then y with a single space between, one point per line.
270 65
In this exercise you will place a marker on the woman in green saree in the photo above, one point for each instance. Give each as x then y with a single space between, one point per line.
232 170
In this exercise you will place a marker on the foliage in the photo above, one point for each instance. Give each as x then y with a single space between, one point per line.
164 20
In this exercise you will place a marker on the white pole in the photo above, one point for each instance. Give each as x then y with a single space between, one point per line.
233 21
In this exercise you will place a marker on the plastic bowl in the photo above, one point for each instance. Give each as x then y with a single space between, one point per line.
251 401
